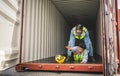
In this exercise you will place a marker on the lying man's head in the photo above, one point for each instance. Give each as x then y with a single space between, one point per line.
81 47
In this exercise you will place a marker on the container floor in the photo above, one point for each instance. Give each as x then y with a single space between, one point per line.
97 57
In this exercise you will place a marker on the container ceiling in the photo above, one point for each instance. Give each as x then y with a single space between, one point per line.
78 11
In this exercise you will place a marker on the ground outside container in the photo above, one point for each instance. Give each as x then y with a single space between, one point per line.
35 31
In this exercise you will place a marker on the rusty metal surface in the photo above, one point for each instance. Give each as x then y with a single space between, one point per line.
20 60
60 67
119 19
119 38
119 32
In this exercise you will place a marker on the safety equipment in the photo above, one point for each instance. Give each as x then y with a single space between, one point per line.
78 57
60 59
81 35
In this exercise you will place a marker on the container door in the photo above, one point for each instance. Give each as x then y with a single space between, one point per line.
119 38
10 21
110 40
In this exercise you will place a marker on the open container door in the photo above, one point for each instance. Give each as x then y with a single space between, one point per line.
119 38
110 37
10 21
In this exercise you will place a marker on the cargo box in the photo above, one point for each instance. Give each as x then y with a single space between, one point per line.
35 31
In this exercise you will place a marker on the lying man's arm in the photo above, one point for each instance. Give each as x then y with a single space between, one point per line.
85 59
73 49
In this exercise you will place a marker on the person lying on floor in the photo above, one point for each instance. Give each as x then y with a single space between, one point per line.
80 53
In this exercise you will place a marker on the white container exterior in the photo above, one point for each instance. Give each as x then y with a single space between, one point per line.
10 21
44 30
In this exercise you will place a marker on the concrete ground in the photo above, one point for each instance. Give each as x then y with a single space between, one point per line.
12 72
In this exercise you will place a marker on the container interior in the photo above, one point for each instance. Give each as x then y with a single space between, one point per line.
47 25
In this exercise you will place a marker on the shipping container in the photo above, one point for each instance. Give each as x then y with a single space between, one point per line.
118 19
33 32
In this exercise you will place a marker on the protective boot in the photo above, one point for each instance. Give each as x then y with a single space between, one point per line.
68 59
92 58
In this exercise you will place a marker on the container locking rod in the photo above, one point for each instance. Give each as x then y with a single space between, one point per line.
57 67
72 67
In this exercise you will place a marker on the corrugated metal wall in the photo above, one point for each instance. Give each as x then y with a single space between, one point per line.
44 30
10 17
98 43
